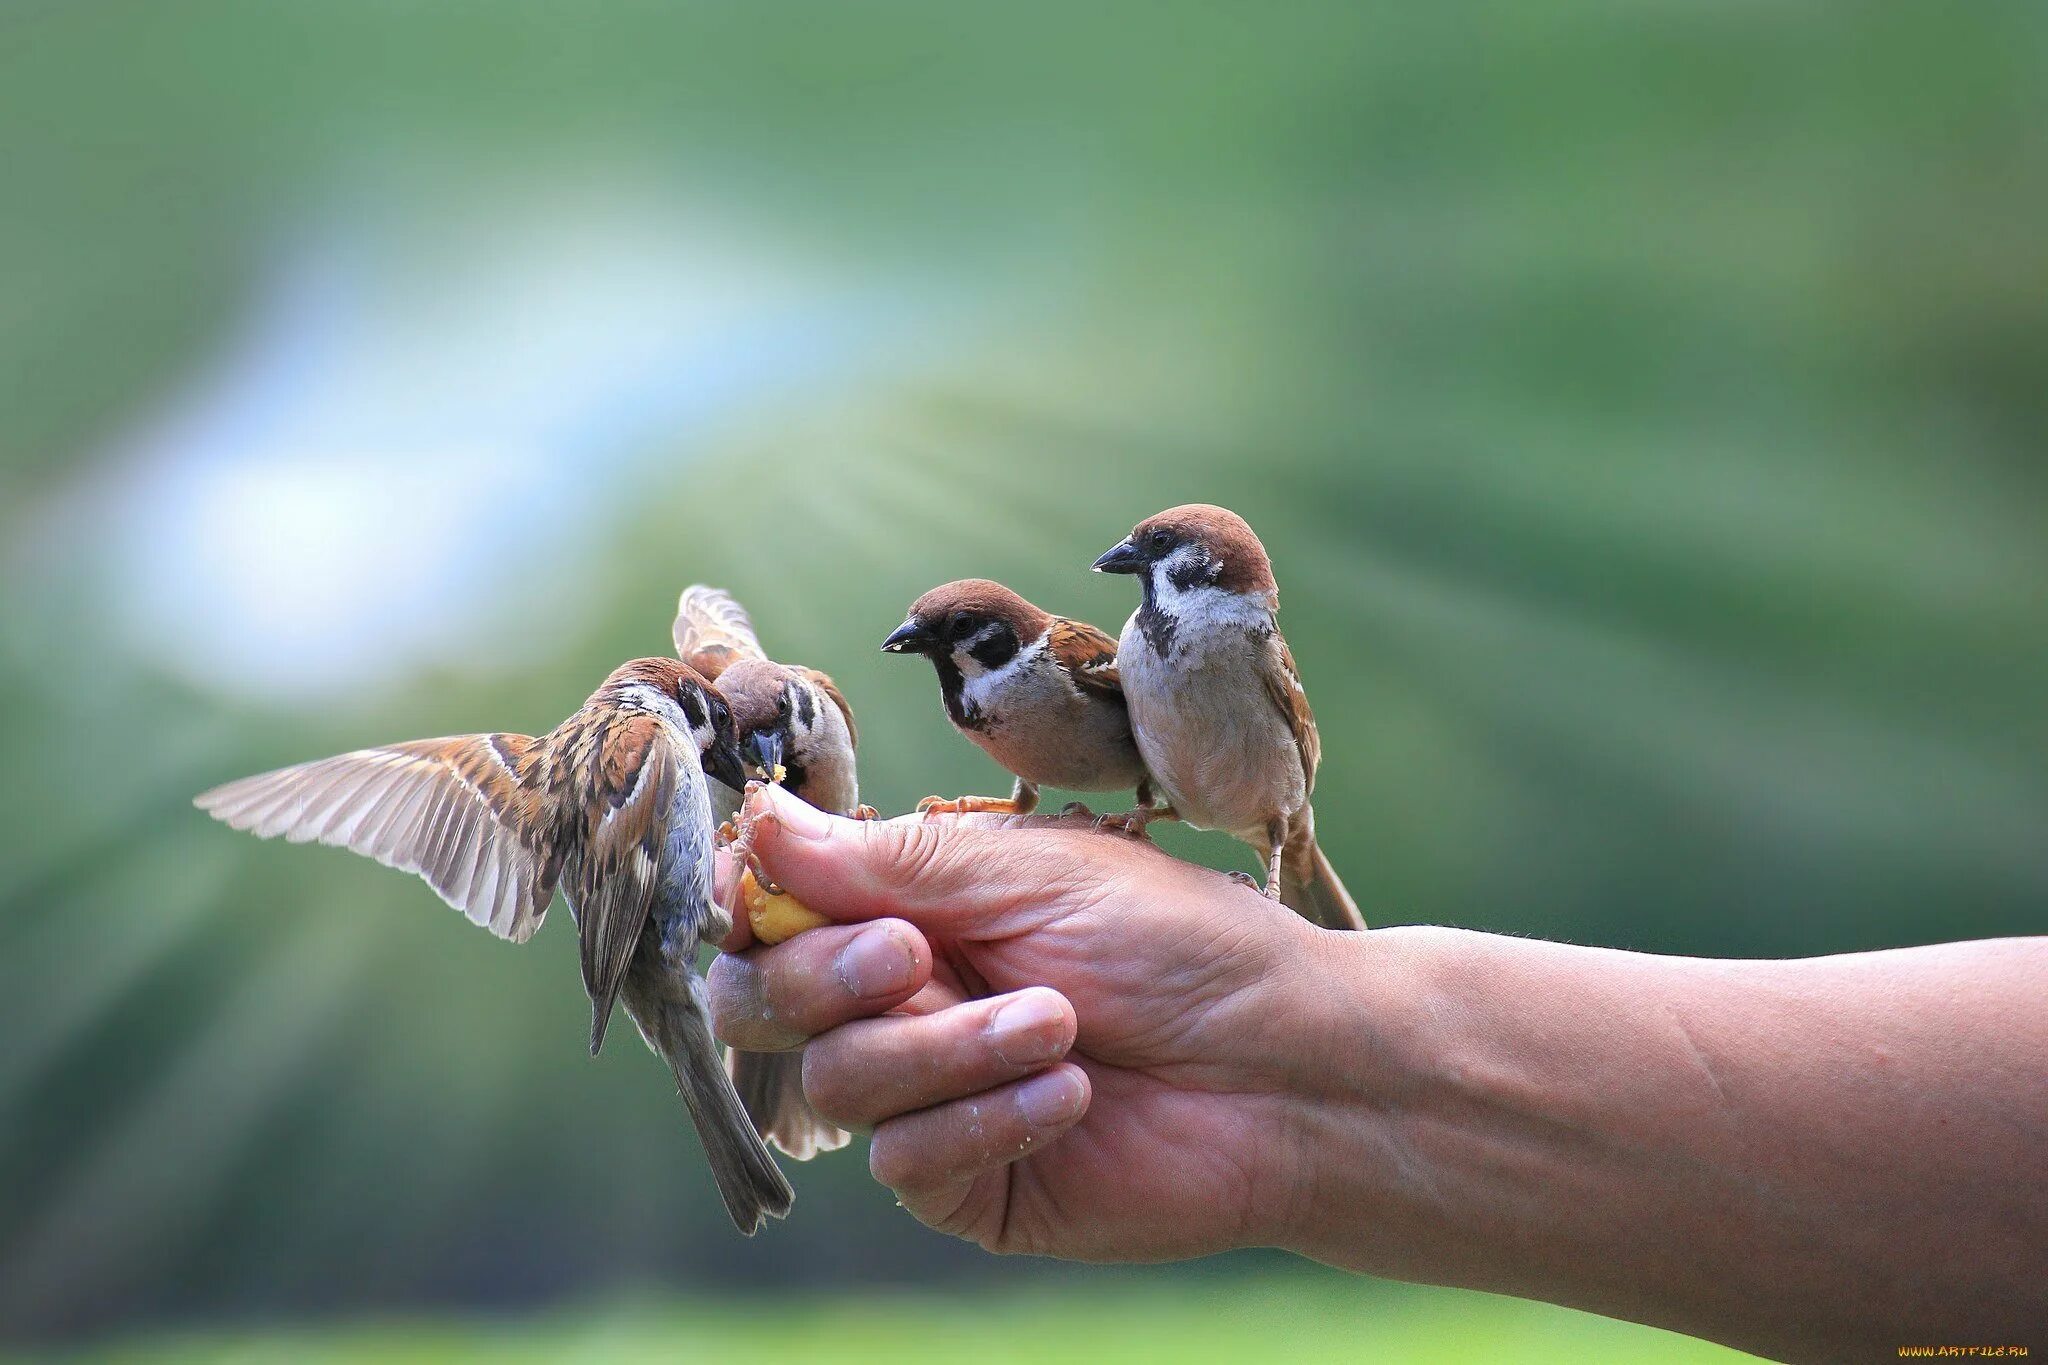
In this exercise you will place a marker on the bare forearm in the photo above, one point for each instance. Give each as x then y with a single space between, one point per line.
1806 1158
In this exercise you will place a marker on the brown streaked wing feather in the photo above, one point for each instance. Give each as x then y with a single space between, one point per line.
1087 654
627 779
459 811
1283 685
831 689
712 631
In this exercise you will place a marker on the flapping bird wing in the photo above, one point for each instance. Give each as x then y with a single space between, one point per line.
626 779
712 631
466 813
1087 654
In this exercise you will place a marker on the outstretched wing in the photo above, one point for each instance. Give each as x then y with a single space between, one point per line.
712 631
1087 654
625 779
1283 685
461 812
832 694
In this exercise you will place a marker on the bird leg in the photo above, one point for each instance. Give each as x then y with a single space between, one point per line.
1133 822
1022 800
1276 830
737 836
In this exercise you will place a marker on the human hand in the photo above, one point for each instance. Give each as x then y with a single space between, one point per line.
1064 1042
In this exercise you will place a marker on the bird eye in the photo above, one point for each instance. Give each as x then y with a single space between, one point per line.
961 628
1157 538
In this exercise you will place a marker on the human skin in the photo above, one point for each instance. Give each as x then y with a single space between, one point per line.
1070 1044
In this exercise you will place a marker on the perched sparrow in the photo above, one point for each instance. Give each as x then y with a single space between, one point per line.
795 720
1216 702
612 804
1039 693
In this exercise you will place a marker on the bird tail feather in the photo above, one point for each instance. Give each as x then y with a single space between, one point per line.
1311 888
751 1184
771 1086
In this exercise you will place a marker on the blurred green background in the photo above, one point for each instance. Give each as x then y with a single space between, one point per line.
1645 407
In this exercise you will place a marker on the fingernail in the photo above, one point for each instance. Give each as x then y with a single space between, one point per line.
1028 1030
1051 1099
799 816
878 962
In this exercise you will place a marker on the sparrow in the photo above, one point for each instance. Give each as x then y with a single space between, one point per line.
1216 701
612 805
1039 693
794 721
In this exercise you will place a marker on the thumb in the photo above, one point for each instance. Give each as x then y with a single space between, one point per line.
955 879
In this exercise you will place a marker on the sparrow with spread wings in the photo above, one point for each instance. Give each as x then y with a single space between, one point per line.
614 807
795 722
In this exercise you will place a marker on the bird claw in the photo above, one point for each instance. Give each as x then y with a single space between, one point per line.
966 805
1246 879
1134 823
737 836
1078 810
866 813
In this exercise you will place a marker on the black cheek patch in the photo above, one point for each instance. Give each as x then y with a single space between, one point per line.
997 650
1197 571
693 706
806 707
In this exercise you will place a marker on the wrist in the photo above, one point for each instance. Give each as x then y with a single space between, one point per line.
1365 1101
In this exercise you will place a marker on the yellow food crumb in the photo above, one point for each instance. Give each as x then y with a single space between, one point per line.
778 916
780 775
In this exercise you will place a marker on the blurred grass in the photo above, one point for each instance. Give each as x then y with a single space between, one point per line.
1258 1320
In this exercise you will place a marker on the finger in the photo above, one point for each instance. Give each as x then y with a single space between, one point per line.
773 998
931 1158
959 879
876 1069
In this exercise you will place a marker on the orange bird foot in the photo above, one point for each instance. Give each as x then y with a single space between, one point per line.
967 805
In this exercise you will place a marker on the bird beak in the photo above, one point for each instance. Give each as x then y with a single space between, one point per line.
909 638
722 760
1122 557
765 746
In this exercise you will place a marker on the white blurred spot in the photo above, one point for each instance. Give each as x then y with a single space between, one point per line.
419 432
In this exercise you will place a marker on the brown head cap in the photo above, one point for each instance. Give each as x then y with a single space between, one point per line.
983 598
754 688
1226 536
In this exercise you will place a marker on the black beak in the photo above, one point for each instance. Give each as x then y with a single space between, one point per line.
766 748
722 760
909 638
1122 557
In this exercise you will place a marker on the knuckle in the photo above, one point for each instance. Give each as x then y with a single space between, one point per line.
734 986
911 852
742 1012
834 1083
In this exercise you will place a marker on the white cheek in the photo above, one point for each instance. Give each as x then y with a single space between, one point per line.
963 653
984 686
